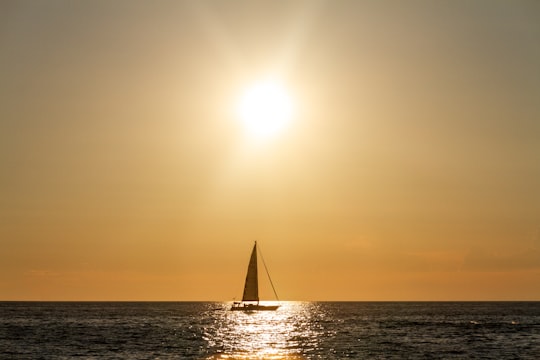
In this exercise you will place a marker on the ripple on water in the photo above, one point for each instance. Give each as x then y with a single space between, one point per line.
297 330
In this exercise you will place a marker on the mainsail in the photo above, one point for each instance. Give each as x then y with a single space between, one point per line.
251 289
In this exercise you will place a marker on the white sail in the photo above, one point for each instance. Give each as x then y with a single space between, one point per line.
251 288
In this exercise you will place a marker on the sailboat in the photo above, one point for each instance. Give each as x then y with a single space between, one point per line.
250 299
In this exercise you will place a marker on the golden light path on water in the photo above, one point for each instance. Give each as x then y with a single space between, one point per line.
286 333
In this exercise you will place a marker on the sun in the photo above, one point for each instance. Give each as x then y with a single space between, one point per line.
265 109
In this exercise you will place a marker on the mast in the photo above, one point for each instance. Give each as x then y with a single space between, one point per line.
251 287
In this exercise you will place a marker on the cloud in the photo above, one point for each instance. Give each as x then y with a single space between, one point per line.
490 260
43 273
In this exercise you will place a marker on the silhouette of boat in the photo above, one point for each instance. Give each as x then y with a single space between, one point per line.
250 299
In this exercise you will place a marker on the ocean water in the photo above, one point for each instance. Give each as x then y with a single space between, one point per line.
298 330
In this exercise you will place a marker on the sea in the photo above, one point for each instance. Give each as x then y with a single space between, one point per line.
297 330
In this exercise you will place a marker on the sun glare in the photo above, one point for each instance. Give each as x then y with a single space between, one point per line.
265 109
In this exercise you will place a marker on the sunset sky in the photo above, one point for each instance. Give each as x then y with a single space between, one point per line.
408 167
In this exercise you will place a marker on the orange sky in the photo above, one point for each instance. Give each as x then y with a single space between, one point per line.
410 170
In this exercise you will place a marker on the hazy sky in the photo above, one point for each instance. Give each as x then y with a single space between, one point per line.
410 169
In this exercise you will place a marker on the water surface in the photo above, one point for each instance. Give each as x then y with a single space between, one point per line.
298 330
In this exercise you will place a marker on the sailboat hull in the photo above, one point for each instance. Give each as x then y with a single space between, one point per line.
253 307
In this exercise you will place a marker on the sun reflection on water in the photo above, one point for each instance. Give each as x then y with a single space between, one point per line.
287 333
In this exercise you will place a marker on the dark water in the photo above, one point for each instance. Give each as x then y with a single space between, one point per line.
298 330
